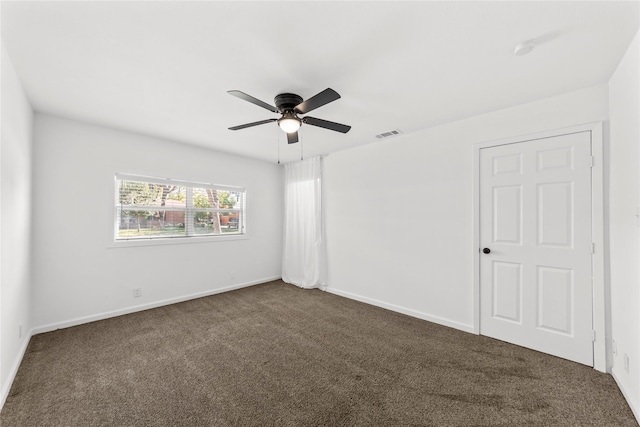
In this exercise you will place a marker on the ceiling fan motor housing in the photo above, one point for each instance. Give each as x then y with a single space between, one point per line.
287 101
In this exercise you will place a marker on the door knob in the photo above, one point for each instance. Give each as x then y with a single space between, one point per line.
486 250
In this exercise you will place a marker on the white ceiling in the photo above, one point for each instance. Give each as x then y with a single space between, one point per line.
163 68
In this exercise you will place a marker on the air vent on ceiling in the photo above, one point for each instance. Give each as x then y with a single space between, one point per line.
389 134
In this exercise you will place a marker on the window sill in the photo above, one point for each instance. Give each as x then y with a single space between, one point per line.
173 241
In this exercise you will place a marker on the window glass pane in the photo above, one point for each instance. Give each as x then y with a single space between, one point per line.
230 222
205 226
150 223
132 193
216 223
229 199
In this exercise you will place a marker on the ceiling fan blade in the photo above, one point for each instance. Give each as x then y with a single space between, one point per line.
292 137
248 125
326 124
323 98
252 100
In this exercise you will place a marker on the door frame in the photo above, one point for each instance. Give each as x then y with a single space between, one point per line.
597 229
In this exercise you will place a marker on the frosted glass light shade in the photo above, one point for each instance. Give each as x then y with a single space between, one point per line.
289 124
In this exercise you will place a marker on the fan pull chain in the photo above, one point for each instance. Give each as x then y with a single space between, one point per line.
278 144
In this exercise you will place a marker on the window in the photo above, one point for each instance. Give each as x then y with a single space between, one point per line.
157 208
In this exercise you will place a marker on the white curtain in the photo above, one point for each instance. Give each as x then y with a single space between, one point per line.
303 258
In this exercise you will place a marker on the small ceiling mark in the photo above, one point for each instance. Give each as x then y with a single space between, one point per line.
524 48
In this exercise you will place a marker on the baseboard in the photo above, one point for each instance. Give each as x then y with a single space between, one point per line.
142 307
404 310
14 370
633 405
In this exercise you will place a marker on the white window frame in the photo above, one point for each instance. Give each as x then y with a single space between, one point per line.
190 211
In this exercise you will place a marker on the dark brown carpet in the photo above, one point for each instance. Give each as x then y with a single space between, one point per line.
274 354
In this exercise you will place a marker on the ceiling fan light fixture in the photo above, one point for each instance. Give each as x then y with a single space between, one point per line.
289 105
289 123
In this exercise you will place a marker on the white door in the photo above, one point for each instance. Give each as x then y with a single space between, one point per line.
535 219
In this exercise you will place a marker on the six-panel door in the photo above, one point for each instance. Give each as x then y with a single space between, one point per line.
535 218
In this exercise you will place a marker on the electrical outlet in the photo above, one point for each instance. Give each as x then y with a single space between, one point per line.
614 347
137 292
232 275
626 362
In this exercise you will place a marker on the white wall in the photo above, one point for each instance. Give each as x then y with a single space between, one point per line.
15 228
624 199
78 277
399 212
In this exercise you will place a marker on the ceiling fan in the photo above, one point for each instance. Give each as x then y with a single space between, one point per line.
289 105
